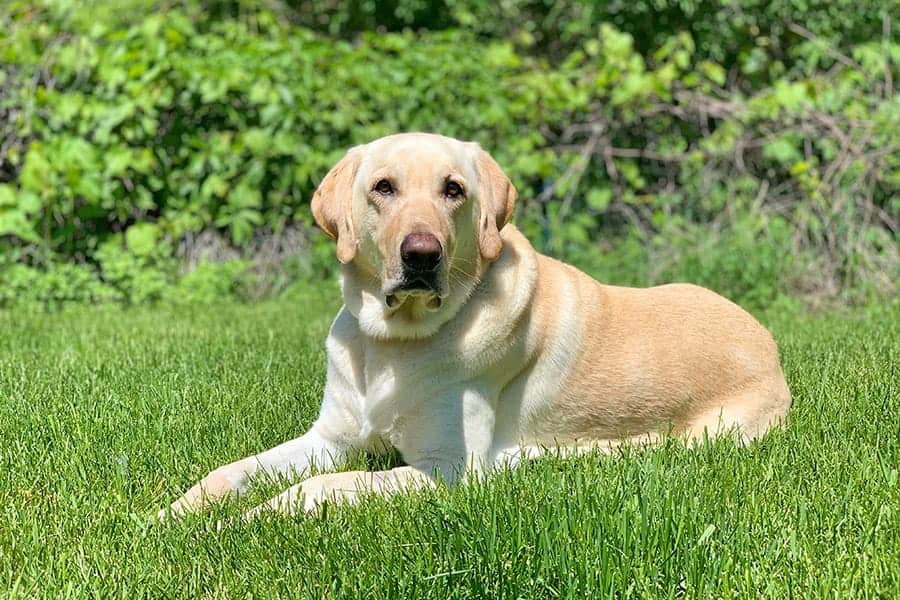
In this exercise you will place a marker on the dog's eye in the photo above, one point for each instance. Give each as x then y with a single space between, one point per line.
453 190
384 187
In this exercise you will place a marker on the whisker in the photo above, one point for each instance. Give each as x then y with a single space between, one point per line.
460 259
457 271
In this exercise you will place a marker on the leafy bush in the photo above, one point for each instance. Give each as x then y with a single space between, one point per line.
209 283
126 132
57 285
756 39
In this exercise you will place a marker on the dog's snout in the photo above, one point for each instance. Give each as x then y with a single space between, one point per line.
420 251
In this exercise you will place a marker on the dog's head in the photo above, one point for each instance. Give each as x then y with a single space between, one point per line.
417 218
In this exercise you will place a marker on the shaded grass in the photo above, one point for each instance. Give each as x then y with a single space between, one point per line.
107 414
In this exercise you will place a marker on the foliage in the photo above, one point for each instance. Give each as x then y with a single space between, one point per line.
59 284
107 415
208 283
124 133
755 39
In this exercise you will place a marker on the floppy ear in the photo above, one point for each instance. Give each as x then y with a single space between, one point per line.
331 204
496 197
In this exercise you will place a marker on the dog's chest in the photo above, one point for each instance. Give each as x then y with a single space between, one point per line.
400 378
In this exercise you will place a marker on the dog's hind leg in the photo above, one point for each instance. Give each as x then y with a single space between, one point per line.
513 455
744 415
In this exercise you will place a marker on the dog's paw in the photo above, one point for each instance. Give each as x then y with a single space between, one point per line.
292 501
307 496
219 484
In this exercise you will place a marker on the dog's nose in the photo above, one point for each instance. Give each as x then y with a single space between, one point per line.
420 251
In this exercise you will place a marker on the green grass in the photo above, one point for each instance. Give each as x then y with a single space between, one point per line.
107 414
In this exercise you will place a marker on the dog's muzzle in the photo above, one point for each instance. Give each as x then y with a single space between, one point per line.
421 255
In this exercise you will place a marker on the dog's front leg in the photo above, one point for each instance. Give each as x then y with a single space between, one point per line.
325 445
295 456
342 488
447 439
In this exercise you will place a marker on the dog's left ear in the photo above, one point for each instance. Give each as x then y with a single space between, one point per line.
496 198
333 201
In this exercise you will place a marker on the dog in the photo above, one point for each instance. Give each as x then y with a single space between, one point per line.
464 349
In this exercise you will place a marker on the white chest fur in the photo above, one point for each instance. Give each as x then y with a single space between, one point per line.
440 394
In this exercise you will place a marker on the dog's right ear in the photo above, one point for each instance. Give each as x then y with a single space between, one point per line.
332 203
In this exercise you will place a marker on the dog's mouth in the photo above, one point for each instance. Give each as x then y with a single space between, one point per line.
415 286
393 301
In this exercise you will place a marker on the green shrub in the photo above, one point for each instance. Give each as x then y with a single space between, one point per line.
755 39
209 283
751 262
55 286
138 271
124 132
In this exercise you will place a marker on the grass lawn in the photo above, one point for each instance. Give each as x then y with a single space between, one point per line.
108 414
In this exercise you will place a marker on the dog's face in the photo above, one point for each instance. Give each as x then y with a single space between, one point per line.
417 217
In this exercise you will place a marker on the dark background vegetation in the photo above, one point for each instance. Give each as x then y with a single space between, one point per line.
167 151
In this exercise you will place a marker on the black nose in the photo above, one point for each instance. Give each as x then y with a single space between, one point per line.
420 252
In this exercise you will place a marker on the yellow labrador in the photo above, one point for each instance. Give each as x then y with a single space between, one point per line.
463 348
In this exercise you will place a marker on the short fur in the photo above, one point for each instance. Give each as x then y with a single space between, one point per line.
521 352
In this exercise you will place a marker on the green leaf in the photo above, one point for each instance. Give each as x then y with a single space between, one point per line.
36 172
713 72
15 223
141 238
599 198
782 150
117 160
257 140
7 196
14 209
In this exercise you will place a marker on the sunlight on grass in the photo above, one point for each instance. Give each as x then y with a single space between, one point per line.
107 414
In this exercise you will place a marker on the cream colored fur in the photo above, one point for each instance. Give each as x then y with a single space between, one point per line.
521 352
